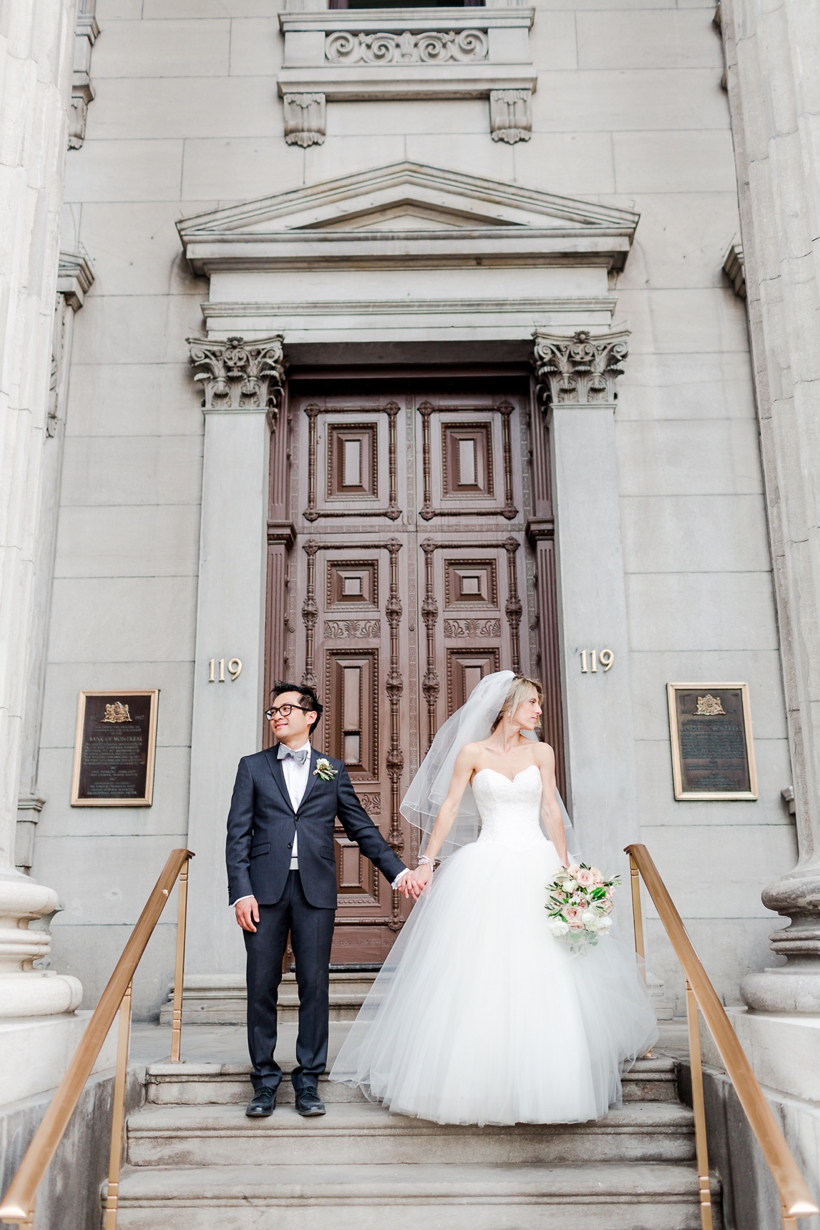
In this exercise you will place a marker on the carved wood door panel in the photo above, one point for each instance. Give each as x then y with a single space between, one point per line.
402 576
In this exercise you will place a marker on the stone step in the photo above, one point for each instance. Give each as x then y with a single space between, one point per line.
223 1135
650 1080
222 999
657 1196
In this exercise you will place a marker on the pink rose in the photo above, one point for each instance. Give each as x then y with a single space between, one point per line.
577 925
573 914
573 870
585 878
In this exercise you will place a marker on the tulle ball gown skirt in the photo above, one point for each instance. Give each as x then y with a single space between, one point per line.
481 1016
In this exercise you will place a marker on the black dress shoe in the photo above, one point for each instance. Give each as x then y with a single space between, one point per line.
308 1102
262 1103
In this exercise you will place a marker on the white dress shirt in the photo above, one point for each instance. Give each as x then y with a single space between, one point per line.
296 779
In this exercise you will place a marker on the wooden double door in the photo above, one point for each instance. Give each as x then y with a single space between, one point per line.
410 554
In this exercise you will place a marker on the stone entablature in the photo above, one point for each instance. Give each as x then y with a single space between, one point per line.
351 54
518 260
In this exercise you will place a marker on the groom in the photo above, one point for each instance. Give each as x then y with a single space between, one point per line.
282 878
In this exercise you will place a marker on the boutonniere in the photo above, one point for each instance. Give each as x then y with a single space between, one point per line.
324 769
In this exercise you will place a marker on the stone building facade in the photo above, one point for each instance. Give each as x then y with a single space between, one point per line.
420 298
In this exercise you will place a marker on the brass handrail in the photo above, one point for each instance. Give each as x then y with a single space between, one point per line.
18 1202
795 1197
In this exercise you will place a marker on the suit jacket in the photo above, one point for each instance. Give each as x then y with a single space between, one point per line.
262 824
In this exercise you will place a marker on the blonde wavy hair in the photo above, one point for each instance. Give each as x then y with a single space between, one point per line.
519 692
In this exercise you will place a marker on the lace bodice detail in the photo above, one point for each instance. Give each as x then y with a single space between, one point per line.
510 810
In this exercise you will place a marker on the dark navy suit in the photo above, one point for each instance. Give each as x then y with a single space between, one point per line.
261 828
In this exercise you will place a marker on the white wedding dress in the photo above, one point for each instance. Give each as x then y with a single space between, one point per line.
479 1014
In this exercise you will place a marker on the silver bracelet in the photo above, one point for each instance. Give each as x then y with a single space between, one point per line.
425 861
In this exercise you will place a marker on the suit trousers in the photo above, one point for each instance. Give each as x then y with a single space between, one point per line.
311 931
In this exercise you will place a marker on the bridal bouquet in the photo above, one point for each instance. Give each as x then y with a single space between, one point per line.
579 902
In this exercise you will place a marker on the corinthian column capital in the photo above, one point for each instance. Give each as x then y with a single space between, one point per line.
580 369
239 375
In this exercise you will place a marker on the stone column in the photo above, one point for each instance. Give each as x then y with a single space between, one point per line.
242 385
36 55
773 79
576 381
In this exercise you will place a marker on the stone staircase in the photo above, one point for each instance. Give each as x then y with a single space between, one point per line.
195 1162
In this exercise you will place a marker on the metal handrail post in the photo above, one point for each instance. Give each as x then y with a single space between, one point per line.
699 1108
795 1196
179 968
637 911
18 1202
118 1113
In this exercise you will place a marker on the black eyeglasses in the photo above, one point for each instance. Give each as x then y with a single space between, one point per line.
285 710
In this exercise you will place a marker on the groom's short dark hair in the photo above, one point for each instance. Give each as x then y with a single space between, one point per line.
305 691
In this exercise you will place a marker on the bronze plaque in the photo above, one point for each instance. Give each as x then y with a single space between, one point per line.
712 747
114 749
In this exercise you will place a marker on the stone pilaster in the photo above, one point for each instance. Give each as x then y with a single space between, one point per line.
74 280
772 57
242 385
576 387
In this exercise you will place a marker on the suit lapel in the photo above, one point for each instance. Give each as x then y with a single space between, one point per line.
278 776
314 756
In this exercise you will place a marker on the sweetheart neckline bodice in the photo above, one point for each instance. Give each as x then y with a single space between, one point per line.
511 780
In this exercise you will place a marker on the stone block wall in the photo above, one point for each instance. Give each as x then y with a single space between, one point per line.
629 111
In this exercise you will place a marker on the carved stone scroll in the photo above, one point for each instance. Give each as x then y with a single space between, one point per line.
511 115
236 376
431 47
305 119
581 369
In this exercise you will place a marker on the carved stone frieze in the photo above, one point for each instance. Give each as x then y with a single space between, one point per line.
429 47
472 627
305 119
580 369
511 115
356 629
237 375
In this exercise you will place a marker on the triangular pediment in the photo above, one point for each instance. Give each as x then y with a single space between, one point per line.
412 202
404 191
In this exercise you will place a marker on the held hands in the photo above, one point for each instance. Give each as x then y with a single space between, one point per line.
415 882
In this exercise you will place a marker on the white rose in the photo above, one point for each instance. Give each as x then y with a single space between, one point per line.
570 886
604 924
557 926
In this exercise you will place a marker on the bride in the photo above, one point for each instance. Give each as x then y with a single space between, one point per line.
480 1015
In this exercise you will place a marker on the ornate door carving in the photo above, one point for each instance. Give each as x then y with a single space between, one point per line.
405 574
